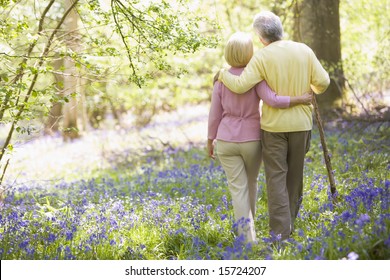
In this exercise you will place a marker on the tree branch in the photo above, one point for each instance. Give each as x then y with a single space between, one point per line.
20 71
113 9
34 80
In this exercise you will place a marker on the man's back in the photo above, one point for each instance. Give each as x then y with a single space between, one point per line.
289 68
286 67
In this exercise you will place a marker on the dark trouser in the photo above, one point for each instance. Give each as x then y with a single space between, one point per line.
283 156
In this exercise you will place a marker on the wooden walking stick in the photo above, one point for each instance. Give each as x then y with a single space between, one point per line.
325 150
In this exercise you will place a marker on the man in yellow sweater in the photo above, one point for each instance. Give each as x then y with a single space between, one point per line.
290 68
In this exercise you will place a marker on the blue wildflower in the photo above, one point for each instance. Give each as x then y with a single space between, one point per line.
51 238
362 220
180 231
87 248
387 242
24 244
69 235
341 234
346 215
225 202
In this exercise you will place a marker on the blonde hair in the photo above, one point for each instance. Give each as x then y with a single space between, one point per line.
239 49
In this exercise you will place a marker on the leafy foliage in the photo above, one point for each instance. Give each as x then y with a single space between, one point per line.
157 30
365 44
150 34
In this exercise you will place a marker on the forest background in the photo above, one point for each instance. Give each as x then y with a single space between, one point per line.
84 84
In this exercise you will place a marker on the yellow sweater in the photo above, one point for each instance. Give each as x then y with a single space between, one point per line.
290 68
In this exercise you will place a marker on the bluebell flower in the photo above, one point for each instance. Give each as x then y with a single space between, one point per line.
197 242
341 234
180 230
69 235
30 252
23 223
346 168
275 237
24 244
68 254
225 202
87 248
51 238
346 216
362 220
387 242
183 208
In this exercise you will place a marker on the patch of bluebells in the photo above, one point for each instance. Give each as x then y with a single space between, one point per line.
91 212
366 194
238 250
185 203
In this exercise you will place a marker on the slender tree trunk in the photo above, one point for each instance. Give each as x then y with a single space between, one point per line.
70 129
317 24
83 105
55 115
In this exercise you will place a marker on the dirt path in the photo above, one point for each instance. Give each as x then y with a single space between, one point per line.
50 158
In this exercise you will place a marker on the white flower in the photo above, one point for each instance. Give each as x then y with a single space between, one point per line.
353 256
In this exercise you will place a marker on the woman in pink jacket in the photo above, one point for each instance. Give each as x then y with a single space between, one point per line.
234 121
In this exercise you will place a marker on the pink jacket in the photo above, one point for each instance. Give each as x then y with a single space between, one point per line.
236 118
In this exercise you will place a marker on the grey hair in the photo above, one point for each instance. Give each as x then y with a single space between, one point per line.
268 26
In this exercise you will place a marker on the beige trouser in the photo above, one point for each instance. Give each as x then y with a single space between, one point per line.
241 163
284 155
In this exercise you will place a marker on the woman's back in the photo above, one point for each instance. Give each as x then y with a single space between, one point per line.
238 114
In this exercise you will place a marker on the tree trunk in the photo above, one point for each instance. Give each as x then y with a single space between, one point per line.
55 114
71 83
317 24
83 105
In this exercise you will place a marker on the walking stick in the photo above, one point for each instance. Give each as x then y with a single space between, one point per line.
325 150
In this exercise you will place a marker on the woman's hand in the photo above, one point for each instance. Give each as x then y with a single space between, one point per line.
307 98
304 99
210 148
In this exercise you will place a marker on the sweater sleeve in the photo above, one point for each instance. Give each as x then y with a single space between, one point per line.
248 78
319 77
270 97
216 110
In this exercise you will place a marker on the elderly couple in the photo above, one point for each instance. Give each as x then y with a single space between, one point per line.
282 74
